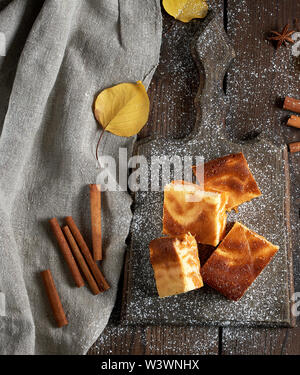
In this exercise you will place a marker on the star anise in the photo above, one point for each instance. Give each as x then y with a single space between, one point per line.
284 37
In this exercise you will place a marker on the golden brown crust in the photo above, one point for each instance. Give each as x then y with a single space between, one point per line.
231 174
175 264
204 217
237 261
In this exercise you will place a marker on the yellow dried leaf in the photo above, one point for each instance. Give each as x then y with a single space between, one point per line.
186 10
123 109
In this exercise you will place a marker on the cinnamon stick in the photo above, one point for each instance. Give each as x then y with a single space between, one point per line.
80 260
102 283
291 104
95 204
66 252
294 121
294 147
53 297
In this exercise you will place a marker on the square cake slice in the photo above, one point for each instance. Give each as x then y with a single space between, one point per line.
230 174
237 261
187 208
175 264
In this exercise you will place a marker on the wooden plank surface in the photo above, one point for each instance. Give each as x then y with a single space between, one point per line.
156 340
257 81
264 341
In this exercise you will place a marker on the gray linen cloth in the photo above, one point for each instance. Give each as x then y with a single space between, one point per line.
60 53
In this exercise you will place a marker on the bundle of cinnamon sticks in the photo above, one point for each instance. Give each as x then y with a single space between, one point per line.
293 105
77 255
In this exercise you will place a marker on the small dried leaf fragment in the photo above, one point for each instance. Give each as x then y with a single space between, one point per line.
186 10
123 109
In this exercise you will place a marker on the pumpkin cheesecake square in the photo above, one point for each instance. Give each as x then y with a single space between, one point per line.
237 261
175 264
230 174
187 208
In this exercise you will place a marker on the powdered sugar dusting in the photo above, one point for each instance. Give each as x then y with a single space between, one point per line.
150 340
177 79
266 301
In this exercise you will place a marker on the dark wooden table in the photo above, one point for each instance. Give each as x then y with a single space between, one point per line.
256 82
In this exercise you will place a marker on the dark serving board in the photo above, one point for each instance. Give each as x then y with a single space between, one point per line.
267 302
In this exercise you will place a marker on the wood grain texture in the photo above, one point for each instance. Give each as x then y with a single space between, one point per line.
181 340
257 82
119 340
156 340
264 341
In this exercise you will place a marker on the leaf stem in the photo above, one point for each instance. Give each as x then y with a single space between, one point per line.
99 144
